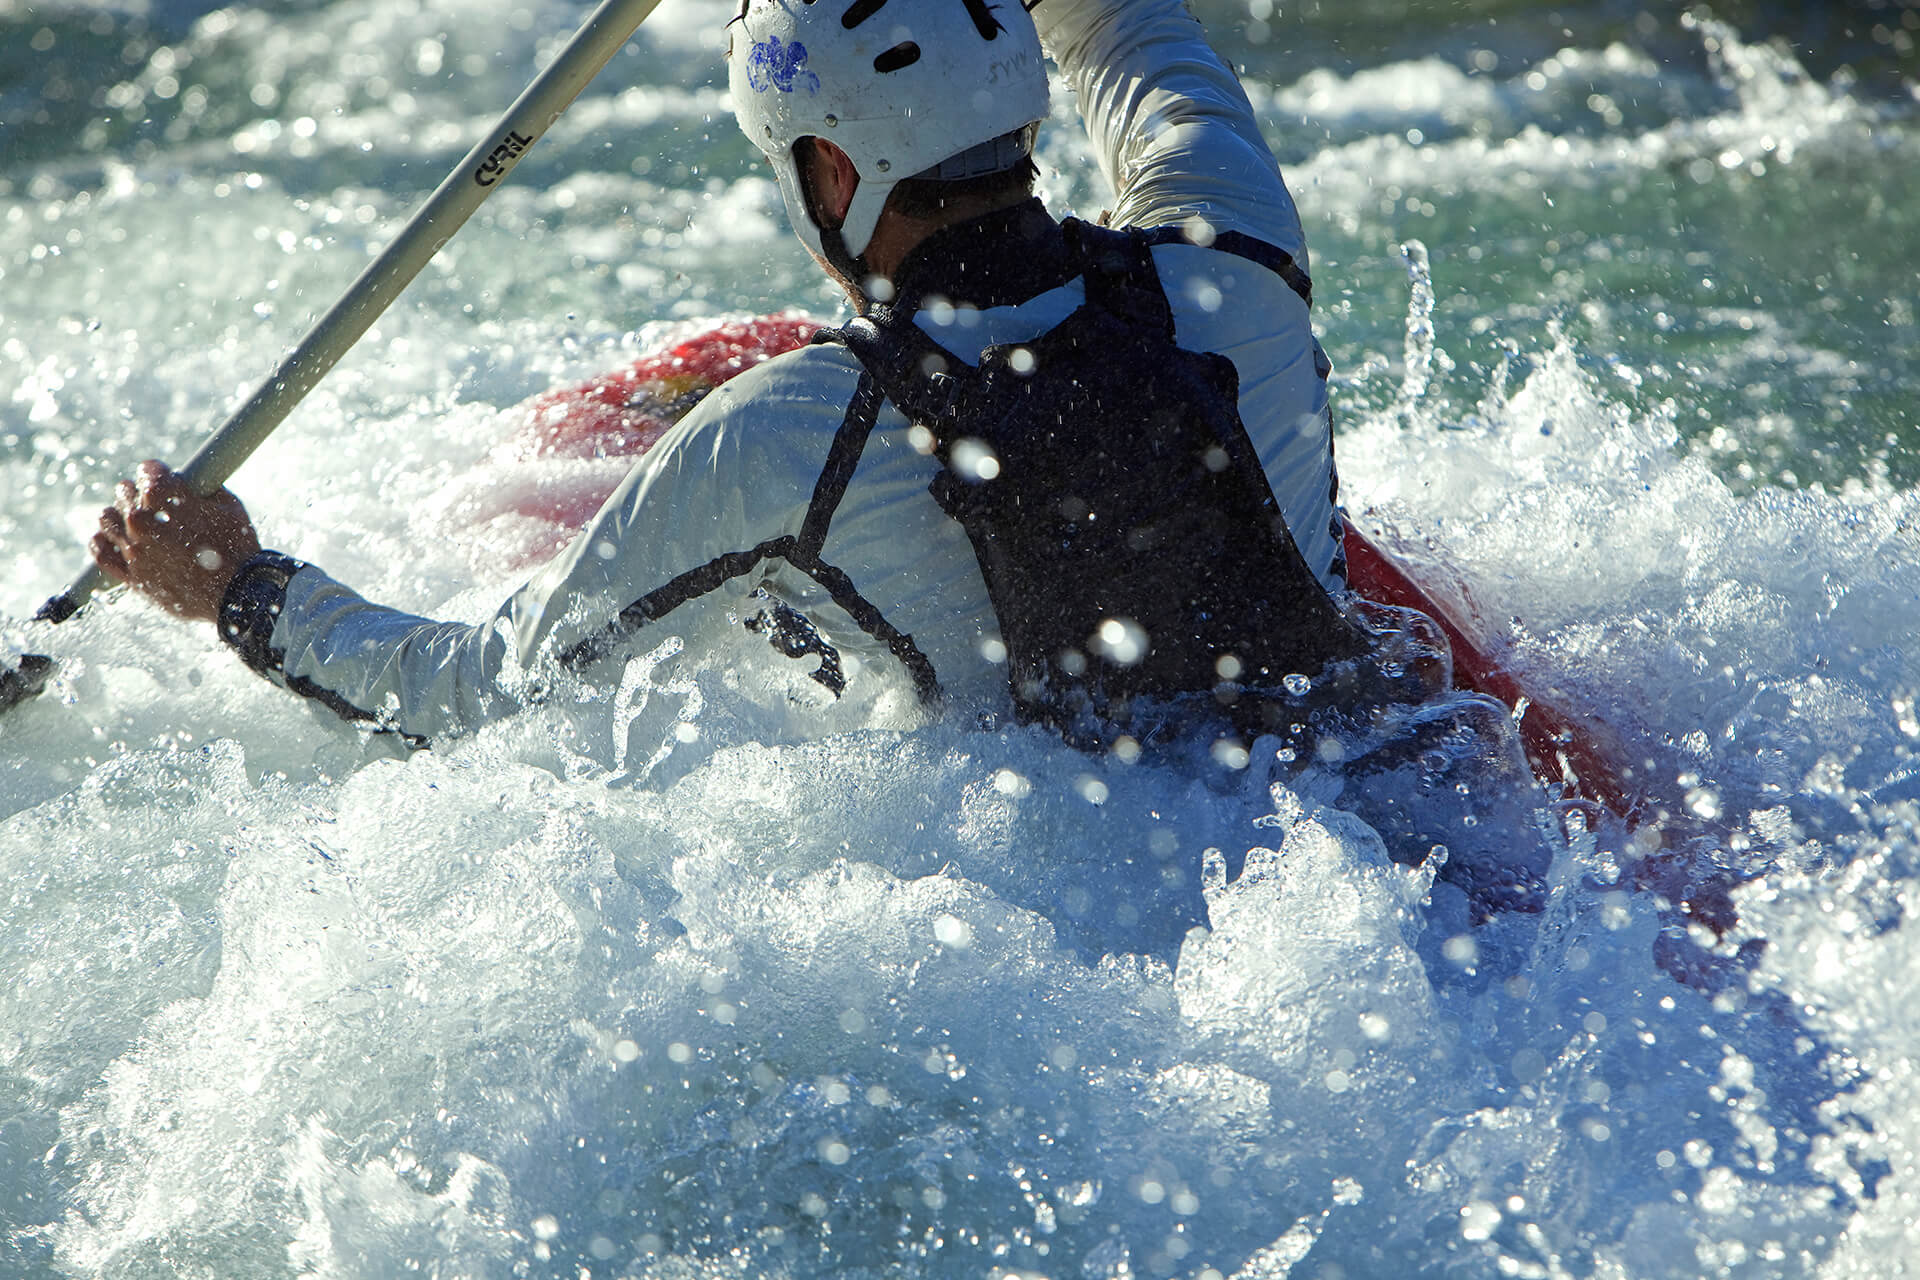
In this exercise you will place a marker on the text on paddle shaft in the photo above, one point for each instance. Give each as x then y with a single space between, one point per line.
501 159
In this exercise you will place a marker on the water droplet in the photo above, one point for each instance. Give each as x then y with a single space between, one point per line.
973 460
1229 753
1120 640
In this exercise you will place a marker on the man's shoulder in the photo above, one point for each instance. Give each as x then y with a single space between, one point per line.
822 374
780 412
1213 282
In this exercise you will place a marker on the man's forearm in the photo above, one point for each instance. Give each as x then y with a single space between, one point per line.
304 631
1172 127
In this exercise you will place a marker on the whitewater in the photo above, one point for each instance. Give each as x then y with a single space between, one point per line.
1623 319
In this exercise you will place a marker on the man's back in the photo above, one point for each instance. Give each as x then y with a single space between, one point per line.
766 435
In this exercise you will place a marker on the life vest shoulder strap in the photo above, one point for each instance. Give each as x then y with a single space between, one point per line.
1242 245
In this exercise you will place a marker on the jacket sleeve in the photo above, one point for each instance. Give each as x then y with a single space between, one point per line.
735 473
1173 129
302 630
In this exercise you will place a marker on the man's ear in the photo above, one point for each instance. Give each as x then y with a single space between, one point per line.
830 179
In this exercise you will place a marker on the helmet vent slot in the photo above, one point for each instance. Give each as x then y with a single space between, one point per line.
901 55
983 20
859 12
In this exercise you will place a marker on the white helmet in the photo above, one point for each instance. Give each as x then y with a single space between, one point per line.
943 89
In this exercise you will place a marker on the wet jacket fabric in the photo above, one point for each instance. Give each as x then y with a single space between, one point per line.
1176 137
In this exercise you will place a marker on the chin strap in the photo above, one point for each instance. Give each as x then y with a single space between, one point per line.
833 247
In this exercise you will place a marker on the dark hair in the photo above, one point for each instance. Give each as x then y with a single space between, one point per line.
929 197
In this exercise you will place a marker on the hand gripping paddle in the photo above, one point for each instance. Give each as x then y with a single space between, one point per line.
451 204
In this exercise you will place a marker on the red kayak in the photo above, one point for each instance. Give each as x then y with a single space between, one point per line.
1575 753
622 413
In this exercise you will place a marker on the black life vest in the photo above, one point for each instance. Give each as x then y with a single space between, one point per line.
1130 543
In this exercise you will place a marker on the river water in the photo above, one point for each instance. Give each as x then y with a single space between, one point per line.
1622 305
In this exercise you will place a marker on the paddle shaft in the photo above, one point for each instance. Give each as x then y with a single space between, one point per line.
471 182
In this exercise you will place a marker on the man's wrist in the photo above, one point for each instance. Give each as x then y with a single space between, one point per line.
253 601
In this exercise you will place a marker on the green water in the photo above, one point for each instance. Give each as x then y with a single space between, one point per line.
1732 226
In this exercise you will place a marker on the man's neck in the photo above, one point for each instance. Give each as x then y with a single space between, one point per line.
898 239
1000 258
898 235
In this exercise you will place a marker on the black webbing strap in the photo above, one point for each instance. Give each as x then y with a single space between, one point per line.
664 599
802 552
1119 273
870 620
1241 245
902 363
843 458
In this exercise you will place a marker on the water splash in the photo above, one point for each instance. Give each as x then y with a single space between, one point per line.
1423 359
1420 342
1766 78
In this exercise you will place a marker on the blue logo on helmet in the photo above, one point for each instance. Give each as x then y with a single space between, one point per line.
775 64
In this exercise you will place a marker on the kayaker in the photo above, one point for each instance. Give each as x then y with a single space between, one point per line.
901 133
1109 506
